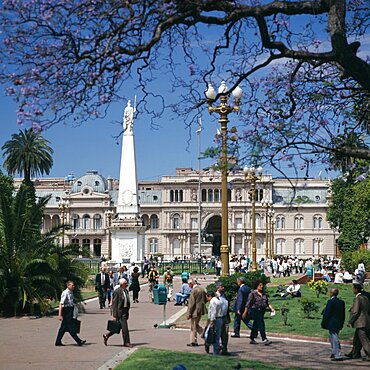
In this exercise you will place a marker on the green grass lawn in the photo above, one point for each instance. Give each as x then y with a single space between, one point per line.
155 359
297 323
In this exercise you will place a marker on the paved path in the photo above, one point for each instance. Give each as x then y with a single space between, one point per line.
28 343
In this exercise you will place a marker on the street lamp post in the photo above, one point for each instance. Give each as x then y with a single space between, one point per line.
272 241
267 205
223 109
109 215
252 175
63 206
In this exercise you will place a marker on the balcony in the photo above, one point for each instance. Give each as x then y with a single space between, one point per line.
81 232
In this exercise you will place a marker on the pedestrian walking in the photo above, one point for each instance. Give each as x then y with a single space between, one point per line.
152 281
168 282
135 285
257 304
333 320
239 307
65 315
120 312
102 284
360 320
214 322
225 315
196 309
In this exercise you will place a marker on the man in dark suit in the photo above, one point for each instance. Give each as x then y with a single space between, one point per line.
239 307
120 312
333 320
102 285
360 320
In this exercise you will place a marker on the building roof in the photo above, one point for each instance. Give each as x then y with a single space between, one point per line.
92 180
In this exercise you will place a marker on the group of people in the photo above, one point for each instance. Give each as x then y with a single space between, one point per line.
106 283
359 318
249 305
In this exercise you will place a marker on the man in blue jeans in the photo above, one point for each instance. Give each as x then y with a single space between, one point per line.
239 307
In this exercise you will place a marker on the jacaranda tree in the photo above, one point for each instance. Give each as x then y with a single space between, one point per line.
303 65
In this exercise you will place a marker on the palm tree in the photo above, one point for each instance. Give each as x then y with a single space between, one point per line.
33 270
28 154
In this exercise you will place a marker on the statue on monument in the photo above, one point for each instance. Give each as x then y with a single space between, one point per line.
128 118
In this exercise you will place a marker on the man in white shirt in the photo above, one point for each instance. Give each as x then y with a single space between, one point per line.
294 289
65 315
215 320
225 318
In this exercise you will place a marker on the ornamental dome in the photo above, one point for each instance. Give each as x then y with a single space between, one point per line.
91 180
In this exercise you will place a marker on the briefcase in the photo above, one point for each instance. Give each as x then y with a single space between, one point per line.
114 326
78 326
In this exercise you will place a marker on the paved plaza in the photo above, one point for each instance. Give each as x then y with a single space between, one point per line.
28 343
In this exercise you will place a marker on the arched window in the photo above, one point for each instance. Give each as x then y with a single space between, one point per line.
86 222
317 222
86 243
258 221
145 219
229 195
280 222
97 247
204 195
216 195
176 221
210 195
259 195
75 221
75 241
97 222
154 224
258 244
55 221
176 195
298 222
280 247
298 246
153 246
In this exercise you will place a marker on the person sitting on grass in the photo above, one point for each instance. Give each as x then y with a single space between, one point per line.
294 289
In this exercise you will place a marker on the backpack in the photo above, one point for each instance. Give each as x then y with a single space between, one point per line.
152 276
168 277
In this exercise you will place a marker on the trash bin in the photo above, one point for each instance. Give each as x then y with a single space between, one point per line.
160 294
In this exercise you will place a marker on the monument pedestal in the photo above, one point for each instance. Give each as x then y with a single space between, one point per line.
127 240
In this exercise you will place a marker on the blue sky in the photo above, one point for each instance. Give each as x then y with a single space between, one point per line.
93 144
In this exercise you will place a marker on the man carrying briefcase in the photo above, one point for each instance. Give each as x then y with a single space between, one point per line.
120 312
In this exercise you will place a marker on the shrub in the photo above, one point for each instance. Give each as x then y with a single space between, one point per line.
350 260
308 306
320 286
230 283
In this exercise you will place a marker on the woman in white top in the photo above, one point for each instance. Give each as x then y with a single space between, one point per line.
347 277
338 279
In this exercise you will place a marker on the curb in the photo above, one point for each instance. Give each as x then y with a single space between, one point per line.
286 336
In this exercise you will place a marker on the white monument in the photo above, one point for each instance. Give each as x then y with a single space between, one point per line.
127 228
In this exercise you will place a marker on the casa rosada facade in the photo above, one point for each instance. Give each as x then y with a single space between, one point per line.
182 213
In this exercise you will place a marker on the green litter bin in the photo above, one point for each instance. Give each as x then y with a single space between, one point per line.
160 294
